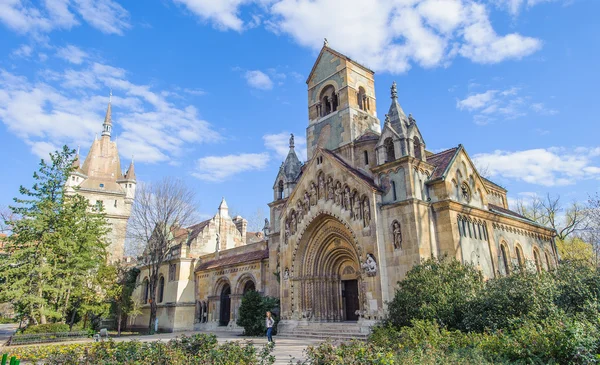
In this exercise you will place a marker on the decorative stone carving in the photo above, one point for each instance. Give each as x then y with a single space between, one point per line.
287 231
356 206
286 274
307 201
347 198
370 265
313 194
330 188
300 209
321 187
397 235
338 193
366 212
294 222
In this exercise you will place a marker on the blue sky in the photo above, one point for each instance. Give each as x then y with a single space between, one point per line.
209 90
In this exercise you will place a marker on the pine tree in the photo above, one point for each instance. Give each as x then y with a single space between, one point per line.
56 247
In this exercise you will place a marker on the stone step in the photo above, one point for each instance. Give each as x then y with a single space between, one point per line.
325 336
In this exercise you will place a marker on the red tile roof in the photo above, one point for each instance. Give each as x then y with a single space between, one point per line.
234 260
441 161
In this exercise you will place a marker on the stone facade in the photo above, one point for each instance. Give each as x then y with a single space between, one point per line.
205 275
372 202
347 225
101 181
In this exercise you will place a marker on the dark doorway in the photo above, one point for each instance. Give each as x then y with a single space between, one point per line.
350 294
225 306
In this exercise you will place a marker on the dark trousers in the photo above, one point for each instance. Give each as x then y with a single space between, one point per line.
269 337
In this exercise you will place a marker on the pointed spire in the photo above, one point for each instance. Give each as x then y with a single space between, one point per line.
394 91
396 114
223 208
76 161
107 125
130 174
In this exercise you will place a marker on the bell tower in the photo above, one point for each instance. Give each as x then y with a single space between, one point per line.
341 102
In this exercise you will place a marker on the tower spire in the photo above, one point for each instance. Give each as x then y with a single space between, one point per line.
107 125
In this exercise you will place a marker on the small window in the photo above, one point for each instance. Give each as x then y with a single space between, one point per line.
460 229
547 260
101 185
394 190
519 256
172 271
538 263
504 259
280 190
115 203
99 205
417 146
161 289
146 290
389 150
73 178
366 154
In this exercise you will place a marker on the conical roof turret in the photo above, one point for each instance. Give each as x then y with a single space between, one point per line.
396 114
292 165
130 174
107 125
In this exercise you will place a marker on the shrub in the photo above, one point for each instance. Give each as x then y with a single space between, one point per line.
507 301
435 290
198 349
46 328
252 313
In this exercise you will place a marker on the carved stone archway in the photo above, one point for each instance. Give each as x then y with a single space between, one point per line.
326 279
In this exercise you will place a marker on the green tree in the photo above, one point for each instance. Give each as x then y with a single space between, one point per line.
252 313
436 290
123 280
56 245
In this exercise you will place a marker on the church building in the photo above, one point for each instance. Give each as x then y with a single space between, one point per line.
102 182
370 203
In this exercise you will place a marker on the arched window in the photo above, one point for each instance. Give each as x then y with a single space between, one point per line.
519 256
366 154
146 290
536 258
547 260
361 98
249 286
280 190
461 231
389 150
504 259
417 145
161 288
329 100
394 190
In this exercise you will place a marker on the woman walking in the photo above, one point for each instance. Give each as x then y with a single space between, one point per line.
270 322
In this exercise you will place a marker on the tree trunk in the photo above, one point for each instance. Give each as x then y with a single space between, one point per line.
67 301
119 322
72 321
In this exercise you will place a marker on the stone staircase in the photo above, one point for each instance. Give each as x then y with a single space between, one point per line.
334 331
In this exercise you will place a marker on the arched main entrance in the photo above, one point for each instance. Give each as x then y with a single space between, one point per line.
327 277
225 311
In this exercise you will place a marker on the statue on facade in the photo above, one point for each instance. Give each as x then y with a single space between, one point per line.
397 234
292 140
356 206
307 201
266 227
300 209
217 239
313 194
366 213
321 187
338 193
347 198
287 231
370 265
294 223
330 188
286 274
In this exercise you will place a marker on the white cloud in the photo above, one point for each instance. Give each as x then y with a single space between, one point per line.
72 54
546 167
280 144
494 104
220 168
68 106
258 80
24 17
429 33
24 51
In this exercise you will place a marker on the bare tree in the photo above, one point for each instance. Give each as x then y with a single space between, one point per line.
6 215
551 212
256 220
160 211
592 232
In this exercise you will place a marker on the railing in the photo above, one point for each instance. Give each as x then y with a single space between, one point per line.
46 337
13 360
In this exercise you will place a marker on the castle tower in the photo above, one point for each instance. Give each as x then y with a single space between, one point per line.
341 103
106 187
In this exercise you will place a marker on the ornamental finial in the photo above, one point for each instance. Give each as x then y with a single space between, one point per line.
292 140
394 90
387 119
325 42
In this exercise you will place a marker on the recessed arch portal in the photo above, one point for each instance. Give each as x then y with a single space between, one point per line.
326 272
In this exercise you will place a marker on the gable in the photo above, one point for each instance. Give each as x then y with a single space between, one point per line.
388 132
327 64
